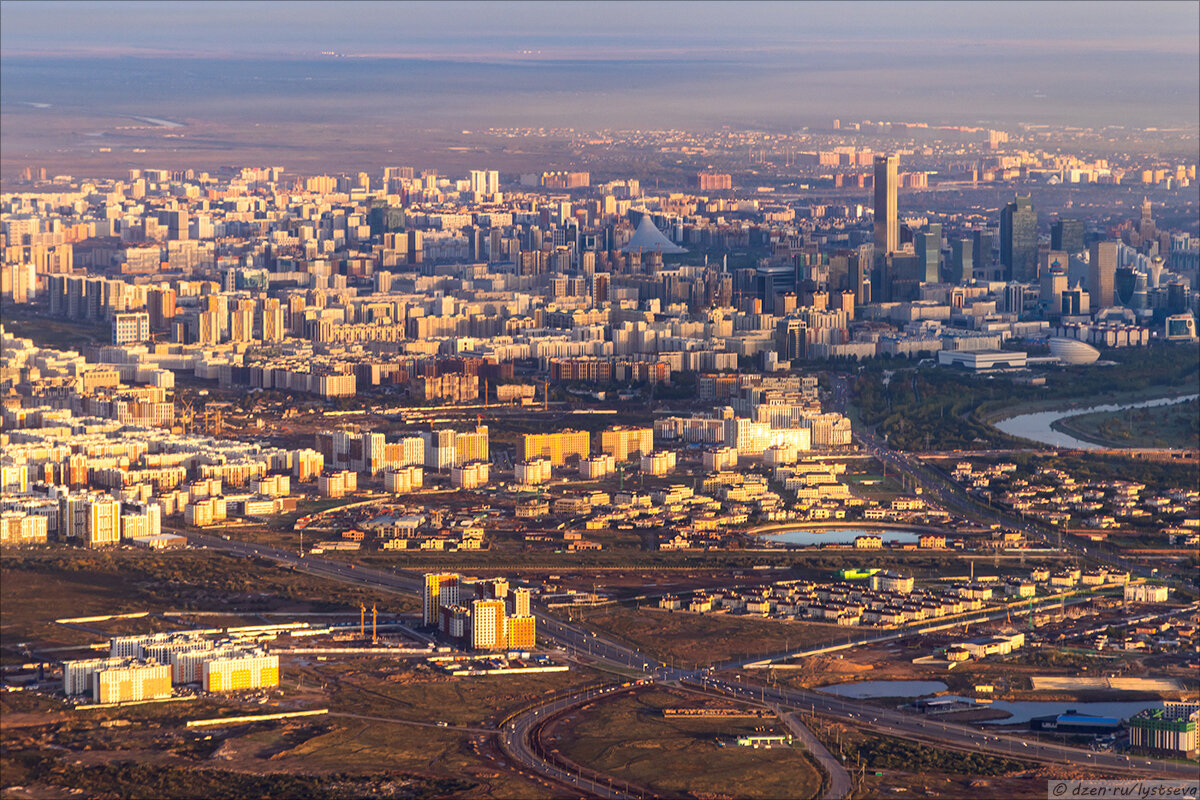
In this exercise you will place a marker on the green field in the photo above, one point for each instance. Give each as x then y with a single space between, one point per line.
627 737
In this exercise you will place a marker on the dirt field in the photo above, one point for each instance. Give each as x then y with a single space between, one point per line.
707 638
629 738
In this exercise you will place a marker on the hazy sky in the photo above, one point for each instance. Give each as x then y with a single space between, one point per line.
238 71
586 29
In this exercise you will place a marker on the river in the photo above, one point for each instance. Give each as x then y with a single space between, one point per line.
1036 427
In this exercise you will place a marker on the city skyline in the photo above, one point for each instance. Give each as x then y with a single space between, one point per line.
622 400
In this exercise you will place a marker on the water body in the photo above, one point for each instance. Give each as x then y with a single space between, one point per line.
1036 427
865 689
816 537
1023 711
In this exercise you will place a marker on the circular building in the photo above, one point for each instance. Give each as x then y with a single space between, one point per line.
1072 351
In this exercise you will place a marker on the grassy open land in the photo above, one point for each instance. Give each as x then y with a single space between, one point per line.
58 334
396 690
707 638
874 485
629 738
1176 425
39 586
883 766
933 408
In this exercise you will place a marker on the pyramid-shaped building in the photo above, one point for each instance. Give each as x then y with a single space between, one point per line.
649 239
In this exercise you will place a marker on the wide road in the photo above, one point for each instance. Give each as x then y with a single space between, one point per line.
840 783
517 741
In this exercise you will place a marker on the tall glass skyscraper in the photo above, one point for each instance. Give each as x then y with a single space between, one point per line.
887 226
1018 240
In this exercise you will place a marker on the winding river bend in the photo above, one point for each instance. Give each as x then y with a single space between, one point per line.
1036 427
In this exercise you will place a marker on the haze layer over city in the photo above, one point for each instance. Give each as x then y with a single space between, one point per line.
528 400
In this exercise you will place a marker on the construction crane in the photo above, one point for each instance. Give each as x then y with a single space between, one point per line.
374 624
362 621
185 414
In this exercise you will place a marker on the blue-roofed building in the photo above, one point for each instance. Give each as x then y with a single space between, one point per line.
1073 723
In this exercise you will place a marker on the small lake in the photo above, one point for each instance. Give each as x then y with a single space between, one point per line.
818 536
1023 711
1036 427
862 690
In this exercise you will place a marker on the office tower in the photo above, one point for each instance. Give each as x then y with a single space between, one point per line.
1124 285
887 230
928 245
1066 234
1018 240
861 263
962 264
790 338
1052 272
839 273
1102 273
1014 298
983 253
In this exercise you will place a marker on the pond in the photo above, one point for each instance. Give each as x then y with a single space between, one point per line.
818 536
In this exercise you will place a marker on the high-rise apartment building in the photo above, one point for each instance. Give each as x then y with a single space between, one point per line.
624 443
1102 273
1018 240
487 625
440 590
133 326
485 182
887 226
558 447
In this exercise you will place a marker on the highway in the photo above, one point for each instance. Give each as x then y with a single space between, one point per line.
519 738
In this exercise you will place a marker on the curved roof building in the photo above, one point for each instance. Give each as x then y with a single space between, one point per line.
1072 351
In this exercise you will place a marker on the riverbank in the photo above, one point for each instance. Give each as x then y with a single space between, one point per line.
993 416
1039 426
1160 427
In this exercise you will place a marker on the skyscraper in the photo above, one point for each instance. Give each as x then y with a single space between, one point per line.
983 252
928 244
887 229
962 263
1102 273
1018 240
1066 234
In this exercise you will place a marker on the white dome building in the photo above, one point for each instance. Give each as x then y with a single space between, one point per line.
1072 351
